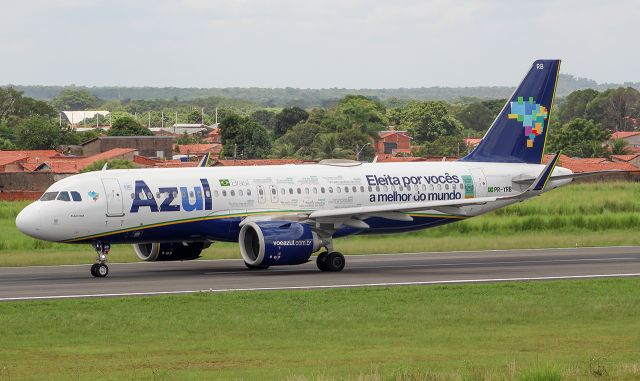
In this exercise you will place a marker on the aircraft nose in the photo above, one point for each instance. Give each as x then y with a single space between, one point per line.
28 221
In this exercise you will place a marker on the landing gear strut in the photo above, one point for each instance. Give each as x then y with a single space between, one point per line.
100 268
330 261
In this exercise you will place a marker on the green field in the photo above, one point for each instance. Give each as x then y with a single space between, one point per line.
600 214
569 330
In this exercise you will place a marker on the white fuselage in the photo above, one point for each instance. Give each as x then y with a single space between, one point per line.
206 204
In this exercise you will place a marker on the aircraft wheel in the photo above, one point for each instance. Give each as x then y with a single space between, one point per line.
321 261
255 267
99 270
93 269
335 261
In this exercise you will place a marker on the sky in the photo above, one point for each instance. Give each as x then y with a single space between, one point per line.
313 43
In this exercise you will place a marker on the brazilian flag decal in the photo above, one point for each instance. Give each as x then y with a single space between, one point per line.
224 183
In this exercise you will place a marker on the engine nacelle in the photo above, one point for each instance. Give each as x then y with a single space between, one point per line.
169 251
276 243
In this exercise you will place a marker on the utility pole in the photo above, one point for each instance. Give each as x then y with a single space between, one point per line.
203 115
111 119
175 125
149 119
216 115
97 120
162 120
60 117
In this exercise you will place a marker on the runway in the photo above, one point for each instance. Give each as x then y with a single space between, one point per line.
74 281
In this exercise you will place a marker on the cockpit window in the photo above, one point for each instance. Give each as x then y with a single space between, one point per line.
76 196
64 196
48 196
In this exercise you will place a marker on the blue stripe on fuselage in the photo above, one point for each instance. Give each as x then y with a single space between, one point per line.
227 230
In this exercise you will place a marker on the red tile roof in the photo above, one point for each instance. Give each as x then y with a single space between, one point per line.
199 149
384 134
579 165
625 157
146 161
624 134
231 162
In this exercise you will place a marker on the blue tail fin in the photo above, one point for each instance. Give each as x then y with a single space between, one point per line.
519 132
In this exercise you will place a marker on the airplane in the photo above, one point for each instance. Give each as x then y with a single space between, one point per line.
281 215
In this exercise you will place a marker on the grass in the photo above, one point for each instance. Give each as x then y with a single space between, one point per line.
600 214
562 330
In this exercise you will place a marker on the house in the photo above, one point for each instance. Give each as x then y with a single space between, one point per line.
633 159
199 149
392 142
472 143
631 137
249 162
149 146
578 165
214 136
19 161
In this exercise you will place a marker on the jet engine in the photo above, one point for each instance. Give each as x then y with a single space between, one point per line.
276 243
169 251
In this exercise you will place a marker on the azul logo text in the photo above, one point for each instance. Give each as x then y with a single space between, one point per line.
143 198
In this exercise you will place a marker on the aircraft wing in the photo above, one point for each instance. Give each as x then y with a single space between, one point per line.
354 216
529 180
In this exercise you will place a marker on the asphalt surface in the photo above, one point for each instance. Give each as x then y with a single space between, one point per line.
72 281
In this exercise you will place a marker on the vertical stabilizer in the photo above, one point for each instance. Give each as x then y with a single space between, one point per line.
519 132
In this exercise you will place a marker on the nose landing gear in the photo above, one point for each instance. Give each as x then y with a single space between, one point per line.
100 268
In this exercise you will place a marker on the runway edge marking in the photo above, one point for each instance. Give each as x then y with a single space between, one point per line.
384 284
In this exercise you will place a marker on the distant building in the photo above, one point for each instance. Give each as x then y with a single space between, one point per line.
75 118
392 142
633 159
149 146
199 149
631 137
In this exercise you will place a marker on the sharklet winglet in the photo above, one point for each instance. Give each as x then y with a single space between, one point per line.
543 178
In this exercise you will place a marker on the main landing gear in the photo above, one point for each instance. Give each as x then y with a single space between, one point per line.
100 268
330 261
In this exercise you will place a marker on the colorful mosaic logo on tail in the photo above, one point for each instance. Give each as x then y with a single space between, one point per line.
531 115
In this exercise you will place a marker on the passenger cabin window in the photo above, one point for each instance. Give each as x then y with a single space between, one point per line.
232 192
249 192
48 196
76 196
224 193
64 196
216 194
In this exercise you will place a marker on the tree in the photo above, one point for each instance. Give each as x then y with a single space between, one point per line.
365 114
426 121
41 133
111 164
13 104
288 118
475 116
581 138
327 147
195 117
619 147
451 145
244 137
265 118
71 99
128 126
575 105
613 108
